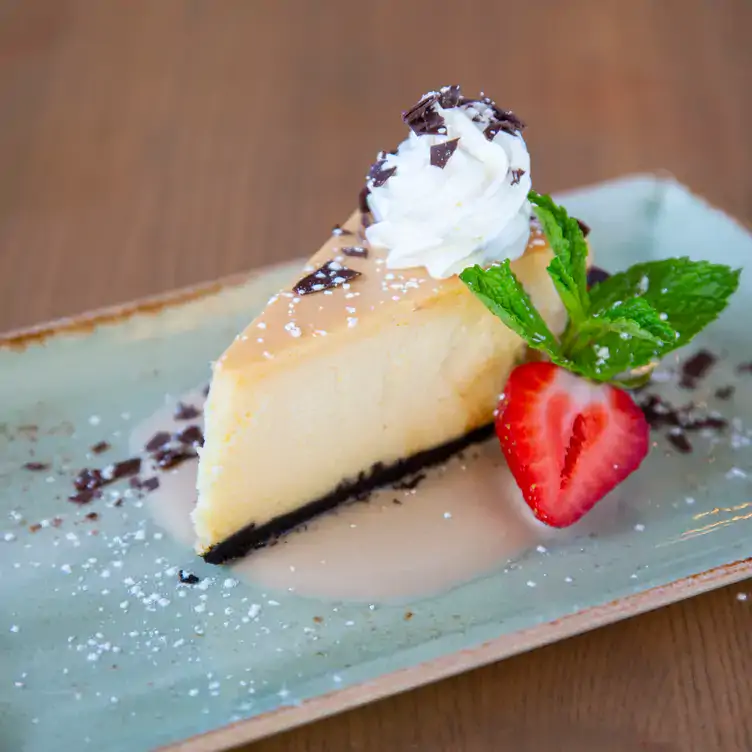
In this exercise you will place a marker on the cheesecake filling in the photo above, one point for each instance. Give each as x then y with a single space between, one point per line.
454 193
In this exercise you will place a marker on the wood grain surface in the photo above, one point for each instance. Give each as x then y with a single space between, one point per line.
148 144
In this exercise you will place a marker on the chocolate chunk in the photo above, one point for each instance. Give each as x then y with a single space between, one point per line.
187 578
696 368
338 231
88 480
99 447
504 120
186 412
169 458
36 467
357 251
192 436
363 200
93 516
441 153
583 227
160 439
330 275
122 469
150 484
680 442
379 174
596 275
83 497
410 483
422 119
517 176
725 392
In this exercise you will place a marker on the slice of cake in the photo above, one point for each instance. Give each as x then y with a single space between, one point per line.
378 360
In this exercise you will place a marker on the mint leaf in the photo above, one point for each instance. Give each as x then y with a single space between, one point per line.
687 294
501 292
568 268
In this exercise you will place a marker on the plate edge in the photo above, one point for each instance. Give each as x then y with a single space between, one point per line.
427 672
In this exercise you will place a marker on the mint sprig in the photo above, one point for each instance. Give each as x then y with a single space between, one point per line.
626 322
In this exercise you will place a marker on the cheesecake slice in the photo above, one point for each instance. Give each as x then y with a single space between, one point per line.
334 391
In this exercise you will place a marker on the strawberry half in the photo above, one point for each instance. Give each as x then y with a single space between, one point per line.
567 441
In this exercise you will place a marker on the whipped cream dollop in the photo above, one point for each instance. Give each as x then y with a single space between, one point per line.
454 193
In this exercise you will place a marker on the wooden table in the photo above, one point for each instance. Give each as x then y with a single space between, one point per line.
146 145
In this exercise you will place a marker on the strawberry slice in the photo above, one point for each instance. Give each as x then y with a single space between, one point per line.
567 441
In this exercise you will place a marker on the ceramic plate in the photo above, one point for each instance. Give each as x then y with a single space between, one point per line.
101 646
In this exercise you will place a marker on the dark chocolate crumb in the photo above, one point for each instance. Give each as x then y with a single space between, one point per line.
159 440
378 174
35 528
442 153
99 447
745 367
396 501
88 480
169 458
318 619
409 615
363 200
186 412
585 228
659 413
36 467
83 497
725 392
150 484
517 176
422 118
191 436
56 521
118 503
410 483
122 469
187 578
696 368
330 275
93 516
338 231
596 275
358 251
680 441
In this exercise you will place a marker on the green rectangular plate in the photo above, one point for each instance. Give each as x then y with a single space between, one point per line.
99 650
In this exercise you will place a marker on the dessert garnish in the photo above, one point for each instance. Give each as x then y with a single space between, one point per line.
331 274
568 430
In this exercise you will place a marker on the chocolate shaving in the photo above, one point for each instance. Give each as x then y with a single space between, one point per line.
378 174
583 227
36 467
93 516
121 469
505 120
330 275
192 436
186 412
450 96
83 497
150 484
680 442
363 200
169 458
517 176
441 153
725 392
158 441
358 251
35 528
338 231
696 368
88 480
422 119
99 447
187 578
596 275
